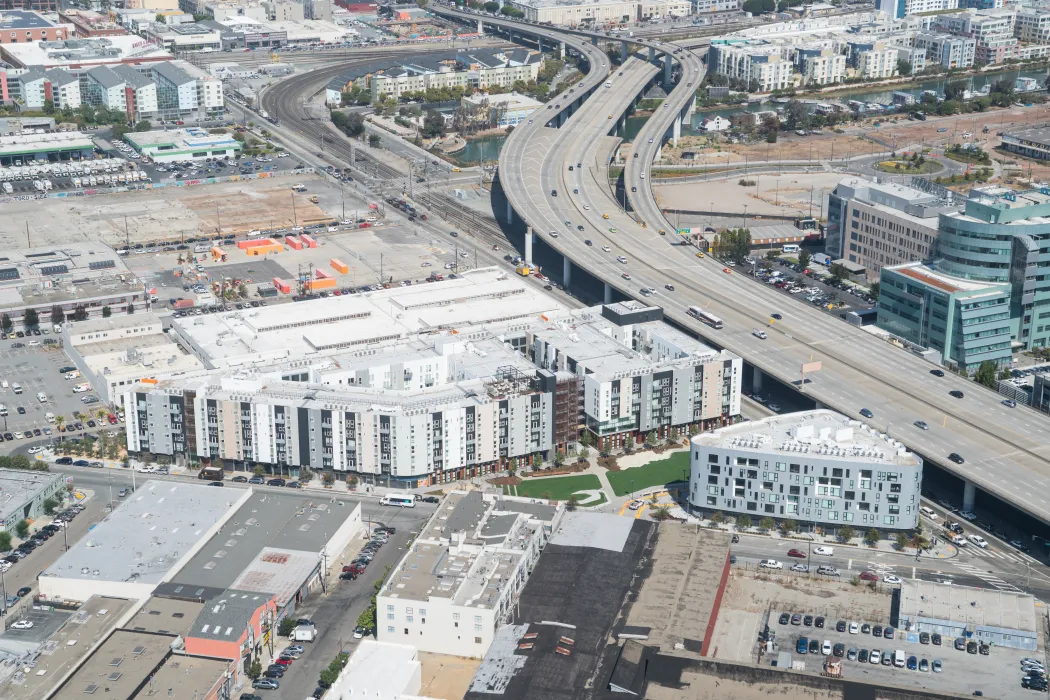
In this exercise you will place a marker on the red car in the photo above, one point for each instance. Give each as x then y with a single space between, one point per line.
797 553
869 576
112 419
284 661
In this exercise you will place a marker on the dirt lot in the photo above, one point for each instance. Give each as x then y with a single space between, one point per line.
781 195
446 676
165 213
748 598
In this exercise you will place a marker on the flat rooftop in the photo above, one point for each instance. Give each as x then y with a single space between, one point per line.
938 280
18 486
227 616
1038 136
378 669
192 676
118 667
980 607
822 433
147 534
162 615
179 139
29 143
83 53
279 572
22 19
62 273
287 521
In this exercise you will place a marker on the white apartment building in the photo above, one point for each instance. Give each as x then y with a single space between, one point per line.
462 575
916 57
947 50
824 68
104 88
65 88
576 13
33 88
476 69
701 6
878 63
1033 25
813 466
765 65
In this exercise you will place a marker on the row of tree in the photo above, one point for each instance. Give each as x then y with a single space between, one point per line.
31 318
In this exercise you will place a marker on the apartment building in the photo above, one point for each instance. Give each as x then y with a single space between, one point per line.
877 63
821 66
122 88
33 88
816 467
878 224
461 577
766 66
576 13
992 30
702 6
65 88
353 385
947 50
183 88
473 69
1033 25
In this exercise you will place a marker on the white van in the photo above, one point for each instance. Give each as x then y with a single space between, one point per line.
17 388
75 374
3 409
824 551
41 397
898 658
928 512
50 417
81 388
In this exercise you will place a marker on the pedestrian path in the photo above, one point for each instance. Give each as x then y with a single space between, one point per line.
988 578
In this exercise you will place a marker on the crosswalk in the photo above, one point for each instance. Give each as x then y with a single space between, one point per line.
990 579
1016 557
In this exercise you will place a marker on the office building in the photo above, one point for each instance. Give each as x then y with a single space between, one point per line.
23 492
814 466
460 579
877 224
1030 143
701 6
427 384
595 14
26 27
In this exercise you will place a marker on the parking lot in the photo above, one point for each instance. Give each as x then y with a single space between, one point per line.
817 291
69 175
996 674
36 370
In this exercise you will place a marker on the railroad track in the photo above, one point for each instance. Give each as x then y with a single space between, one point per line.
483 228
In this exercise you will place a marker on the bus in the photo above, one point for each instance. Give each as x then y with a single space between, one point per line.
791 248
708 318
400 501
211 474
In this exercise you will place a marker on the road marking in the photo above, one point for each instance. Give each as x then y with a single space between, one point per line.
849 565
913 572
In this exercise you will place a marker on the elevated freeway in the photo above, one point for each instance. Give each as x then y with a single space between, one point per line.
1006 452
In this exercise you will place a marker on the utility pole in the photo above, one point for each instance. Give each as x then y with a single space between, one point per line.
295 221
28 244
127 235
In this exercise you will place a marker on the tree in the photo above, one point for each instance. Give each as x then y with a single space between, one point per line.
22 529
650 439
355 124
374 141
771 137
255 669
286 626
660 513
50 505
804 258
143 125
873 289
900 541
839 271
49 107
5 323
5 541
572 503
130 308
57 315
585 439
106 311
986 374
847 533
796 115
789 526
30 319
628 443
903 67
871 537
328 677
743 522
718 518
919 542
258 470
954 91
433 125
491 7
766 524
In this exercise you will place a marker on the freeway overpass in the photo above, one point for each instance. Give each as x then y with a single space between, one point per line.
1006 451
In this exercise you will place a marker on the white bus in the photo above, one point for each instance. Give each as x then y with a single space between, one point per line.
791 248
708 318
400 501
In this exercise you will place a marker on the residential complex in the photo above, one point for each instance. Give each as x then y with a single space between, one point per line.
460 579
576 13
427 384
986 288
876 224
816 466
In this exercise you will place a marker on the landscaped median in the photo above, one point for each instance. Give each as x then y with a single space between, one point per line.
674 468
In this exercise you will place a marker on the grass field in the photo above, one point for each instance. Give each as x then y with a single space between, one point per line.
664 471
559 488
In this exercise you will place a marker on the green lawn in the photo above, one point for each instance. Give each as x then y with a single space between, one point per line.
601 499
664 471
559 487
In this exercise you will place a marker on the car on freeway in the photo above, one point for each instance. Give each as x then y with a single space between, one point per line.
956 457
866 413
771 564
801 568
778 317
1009 403
956 393
921 425
606 249
937 372
796 553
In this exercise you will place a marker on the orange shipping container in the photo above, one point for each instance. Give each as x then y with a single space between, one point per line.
294 242
339 265
255 243
314 285
264 249
321 274
308 241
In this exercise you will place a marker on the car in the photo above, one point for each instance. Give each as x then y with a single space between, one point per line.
22 625
876 631
240 479
840 626
818 622
985 649
266 684
868 576
887 658
971 647
669 287
771 564
892 580
276 482
802 646
21 410
360 632
256 480
814 646
887 632
854 628
801 568
913 663
956 393
921 425
807 620
1040 684
862 656
866 413
924 637
865 628
956 457
839 650
960 644
1009 403
935 639
937 666
937 372
727 270
796 553
876 656
347 576
277 672
785 618
284 660
942 129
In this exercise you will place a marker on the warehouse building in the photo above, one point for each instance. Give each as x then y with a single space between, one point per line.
24 149
813 466
182 145
23 492
427 384
1030 143
987 615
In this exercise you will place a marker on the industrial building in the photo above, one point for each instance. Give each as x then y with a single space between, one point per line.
812 466
23 492
381 670
26 26
987 615
82 54
24 148
427 384
181 145
461 576
1030 143
590 15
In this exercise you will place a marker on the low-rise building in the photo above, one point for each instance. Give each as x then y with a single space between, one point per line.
87 24
232 625
1030 143
459 580
986 615
23 492
78 55
181 145
19 26
814 466
702 6
380 670
595 14
505 109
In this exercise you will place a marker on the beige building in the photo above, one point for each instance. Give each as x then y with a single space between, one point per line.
476 69
1033 25
158 5
825 68
877 64
574 13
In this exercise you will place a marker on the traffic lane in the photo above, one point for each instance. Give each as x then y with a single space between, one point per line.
336 613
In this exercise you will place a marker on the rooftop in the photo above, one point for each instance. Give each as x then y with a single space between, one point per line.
26 143
227 617
822 433
938 280
63 273
118 667
22 19
280 572
194 676
179 140
165 616
380 670
18 487
979 607
83 53
146 536
288 521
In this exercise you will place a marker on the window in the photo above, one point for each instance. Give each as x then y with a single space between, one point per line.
389 630
477 640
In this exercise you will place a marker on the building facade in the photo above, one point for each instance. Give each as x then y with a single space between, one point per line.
877 64
822 66
815 466
600 13
18 26
947 50
1033 25
762 67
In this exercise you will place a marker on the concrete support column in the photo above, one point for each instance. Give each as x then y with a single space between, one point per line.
667 72
652 55
510 214
969 495
623 50
561 50
756 382
594 40
623 124
481 28
607 298
676 131
528 245
691 109
566 272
